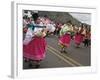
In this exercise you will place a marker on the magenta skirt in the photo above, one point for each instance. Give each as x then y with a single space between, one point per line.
65 40
78 38
36 49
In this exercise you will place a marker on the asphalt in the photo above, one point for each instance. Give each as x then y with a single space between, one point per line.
74 57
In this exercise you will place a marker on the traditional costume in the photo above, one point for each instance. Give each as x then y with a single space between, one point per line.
79 36
65 37
78 39
34 44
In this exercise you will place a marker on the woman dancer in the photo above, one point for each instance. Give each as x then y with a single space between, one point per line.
79 36
65 38
35 50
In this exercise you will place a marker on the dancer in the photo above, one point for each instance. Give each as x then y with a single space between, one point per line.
79 36
35 50
65 38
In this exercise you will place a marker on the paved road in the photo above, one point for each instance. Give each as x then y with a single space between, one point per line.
73 57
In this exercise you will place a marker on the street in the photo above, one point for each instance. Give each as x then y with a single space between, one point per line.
72 58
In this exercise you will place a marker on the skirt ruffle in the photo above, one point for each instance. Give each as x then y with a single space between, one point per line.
65 40
36 49
78 38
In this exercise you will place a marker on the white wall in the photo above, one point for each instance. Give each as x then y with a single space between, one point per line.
5 37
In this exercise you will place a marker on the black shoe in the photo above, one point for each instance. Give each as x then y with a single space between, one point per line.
37 66
77 47
61 51
30 65
64 51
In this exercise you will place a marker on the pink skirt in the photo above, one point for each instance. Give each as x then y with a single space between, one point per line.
78 38
36 49
65 40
